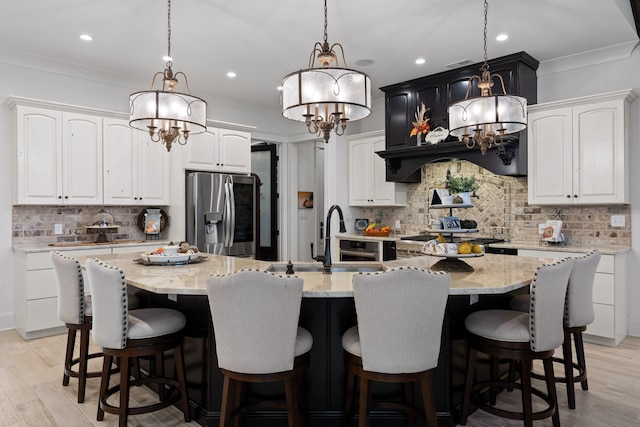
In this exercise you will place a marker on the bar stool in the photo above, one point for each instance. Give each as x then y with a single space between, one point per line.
397 340
521 337
75 310
258 340
128 335
578 315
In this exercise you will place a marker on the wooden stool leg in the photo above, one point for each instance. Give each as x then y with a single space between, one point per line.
365 400
551 390
568 370
159 373
408 398
124 392
68 357
348 400
581 360
82 364
104 385
426 385
226 409
466 401
182 381
527 408
292 401
495 373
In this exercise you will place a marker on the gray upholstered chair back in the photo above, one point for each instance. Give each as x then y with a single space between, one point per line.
70 285
110 304
400 314
546 315
255 320
579 307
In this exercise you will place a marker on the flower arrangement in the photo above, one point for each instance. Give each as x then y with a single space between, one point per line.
421 125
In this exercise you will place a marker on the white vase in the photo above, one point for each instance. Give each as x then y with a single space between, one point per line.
466 197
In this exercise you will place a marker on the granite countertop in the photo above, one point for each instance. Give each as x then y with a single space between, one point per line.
45 247
605 249
493 274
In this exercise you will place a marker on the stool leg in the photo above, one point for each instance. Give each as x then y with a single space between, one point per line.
68 357
182 381
495 373
581 360
124 391
159 373
527 409
348 401
408 398
292 401
226 409
82 364
551 390
426 385
468 386
568 370
104 385
365 399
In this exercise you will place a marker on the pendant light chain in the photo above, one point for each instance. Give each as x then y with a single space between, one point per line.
485 66
325 21
169 30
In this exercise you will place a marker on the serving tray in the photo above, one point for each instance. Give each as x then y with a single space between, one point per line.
168 262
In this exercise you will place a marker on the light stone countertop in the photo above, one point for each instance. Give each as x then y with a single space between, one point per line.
44 247
494 274
605 249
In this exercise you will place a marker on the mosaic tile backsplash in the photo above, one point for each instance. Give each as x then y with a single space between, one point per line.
36 224
501 210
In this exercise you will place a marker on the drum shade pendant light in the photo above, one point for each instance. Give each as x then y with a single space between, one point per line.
169 116
484 120
326 97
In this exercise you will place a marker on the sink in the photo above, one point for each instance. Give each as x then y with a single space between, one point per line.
335 268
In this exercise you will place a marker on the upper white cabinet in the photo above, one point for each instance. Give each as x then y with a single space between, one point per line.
58 157
578 150
367 183
136 169
218 150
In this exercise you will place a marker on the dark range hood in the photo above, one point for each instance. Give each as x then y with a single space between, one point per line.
404 158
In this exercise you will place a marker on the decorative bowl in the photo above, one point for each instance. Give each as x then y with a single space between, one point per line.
377 233
170 250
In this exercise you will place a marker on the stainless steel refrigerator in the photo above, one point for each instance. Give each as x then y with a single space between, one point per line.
222 213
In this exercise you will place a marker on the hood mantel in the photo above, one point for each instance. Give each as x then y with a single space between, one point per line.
404 164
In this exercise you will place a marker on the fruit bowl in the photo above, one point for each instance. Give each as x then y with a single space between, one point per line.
374 232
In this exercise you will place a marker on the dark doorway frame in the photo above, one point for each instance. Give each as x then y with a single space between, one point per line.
269 253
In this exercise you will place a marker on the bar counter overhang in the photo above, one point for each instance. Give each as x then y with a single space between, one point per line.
327 311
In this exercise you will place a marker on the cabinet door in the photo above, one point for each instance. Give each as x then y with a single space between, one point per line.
235 151
599 157
201 151
550 157
154 174
39 156
383 192
120 153
400 107
360 173
82 159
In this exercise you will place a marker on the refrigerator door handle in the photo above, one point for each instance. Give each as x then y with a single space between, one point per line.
227 210
232 210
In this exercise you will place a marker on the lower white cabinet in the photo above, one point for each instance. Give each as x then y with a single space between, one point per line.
367 177
609 296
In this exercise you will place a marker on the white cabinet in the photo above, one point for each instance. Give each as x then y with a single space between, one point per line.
578 150
367 176
609 296
58 157
218 150
136 169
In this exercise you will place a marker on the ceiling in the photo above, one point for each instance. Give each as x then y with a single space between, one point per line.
262 41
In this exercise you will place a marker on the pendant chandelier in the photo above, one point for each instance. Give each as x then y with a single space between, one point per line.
169 116
326 97
484 120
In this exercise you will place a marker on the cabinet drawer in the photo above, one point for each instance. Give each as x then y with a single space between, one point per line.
38 261
603 289
604 322
42 314
41 284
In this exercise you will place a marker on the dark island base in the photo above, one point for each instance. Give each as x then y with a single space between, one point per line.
326 319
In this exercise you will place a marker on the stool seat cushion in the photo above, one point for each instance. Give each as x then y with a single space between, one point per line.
304 341
500 325
154 322
520 303
351 341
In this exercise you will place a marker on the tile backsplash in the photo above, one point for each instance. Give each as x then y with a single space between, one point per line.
36 224
501 210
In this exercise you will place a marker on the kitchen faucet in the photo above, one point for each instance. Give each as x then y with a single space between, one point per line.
326 258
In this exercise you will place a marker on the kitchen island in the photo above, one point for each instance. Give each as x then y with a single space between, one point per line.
327 311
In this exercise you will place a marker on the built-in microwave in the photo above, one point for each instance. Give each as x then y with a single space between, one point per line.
359 250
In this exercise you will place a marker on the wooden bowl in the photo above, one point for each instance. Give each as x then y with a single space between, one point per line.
377 233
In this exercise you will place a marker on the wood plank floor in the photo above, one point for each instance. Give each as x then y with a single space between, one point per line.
31 391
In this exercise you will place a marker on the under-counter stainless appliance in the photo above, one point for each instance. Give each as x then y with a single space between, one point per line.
221 213
360 250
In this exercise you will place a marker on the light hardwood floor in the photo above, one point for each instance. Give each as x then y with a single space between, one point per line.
31 391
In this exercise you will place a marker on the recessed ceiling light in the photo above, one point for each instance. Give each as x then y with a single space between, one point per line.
279 88
364 62
420 61
86 37
167 58
231 74
502 37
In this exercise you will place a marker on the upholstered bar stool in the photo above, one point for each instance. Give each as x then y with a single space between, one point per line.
255 320
397 340
521 337
75 310
578 315
128 335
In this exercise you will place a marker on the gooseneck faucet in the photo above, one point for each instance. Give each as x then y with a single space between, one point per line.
326 258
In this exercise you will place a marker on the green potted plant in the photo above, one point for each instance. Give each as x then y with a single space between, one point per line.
460 187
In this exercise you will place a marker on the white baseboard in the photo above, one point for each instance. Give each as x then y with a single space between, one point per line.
6 321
